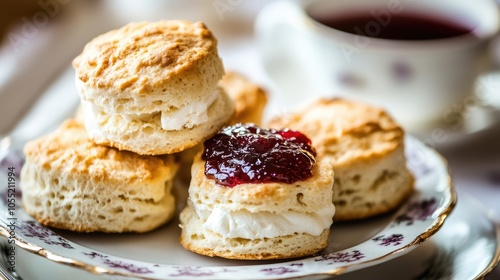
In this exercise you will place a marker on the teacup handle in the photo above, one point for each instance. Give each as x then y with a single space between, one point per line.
282 30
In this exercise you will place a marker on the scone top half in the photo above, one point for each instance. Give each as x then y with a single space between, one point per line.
145 67
308 196
152 87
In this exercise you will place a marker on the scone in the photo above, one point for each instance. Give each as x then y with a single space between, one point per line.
71 183
152 87
255 207
366 148
250 101
249 98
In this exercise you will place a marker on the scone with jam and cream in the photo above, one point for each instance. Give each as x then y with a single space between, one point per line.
152 87
258 194
366 148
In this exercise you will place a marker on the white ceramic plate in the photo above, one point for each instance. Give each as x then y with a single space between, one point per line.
157 255
465 248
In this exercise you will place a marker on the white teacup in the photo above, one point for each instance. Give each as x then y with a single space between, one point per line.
416 80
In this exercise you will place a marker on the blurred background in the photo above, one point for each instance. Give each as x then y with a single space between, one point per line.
38 40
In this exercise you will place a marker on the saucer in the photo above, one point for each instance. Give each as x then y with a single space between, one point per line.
158 254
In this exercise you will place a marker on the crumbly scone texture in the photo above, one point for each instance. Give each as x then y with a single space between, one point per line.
249 98
371 187
69 182
365 146
196 238
305 196
147 67
146 136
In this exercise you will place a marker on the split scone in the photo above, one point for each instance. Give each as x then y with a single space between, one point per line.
152 87
69 182
257 207
366 148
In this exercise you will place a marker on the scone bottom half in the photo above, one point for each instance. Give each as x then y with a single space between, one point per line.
152 88
71 183
258 194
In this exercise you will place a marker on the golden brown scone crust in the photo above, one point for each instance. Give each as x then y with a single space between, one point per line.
345 130
147 67
249 98
72 183
309 195
70 150
366 148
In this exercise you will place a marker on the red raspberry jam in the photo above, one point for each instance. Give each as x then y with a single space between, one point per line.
245 153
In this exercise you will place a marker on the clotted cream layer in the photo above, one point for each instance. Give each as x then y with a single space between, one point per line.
186 116
244 224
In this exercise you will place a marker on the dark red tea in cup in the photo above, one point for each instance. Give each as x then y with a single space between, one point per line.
401 26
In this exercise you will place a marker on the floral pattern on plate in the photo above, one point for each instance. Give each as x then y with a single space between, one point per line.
417 220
